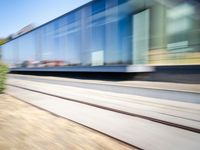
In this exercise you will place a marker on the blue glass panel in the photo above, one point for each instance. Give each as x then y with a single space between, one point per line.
26 45
98 6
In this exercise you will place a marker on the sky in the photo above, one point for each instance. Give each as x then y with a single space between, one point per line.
16 14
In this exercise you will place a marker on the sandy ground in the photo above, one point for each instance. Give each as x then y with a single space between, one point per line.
24 127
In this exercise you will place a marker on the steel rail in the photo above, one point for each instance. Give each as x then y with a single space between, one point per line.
192 129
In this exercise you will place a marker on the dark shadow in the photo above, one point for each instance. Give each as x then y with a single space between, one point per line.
178 74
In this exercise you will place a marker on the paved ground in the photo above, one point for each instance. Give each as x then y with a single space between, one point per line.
140 132
163 90
136 131
194 88
187 114
24 127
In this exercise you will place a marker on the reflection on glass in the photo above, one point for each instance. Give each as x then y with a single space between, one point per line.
114 32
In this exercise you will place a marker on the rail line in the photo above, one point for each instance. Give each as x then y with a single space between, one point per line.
52 113
195 130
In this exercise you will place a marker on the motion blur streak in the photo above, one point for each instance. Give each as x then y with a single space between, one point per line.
114 32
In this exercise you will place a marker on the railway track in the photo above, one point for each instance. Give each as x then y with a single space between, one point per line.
126 143
164 93
131 145
195 130
181 128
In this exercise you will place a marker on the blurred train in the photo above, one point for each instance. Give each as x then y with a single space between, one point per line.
111 36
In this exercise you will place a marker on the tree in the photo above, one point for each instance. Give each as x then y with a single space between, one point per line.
2 41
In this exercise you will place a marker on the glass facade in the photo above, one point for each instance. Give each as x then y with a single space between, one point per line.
113 32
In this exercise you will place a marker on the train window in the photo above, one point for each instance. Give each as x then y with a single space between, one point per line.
72 17
98 6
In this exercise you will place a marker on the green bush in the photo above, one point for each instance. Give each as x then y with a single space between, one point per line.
3 73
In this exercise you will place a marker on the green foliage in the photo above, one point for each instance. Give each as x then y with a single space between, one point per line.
2 41
3 73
